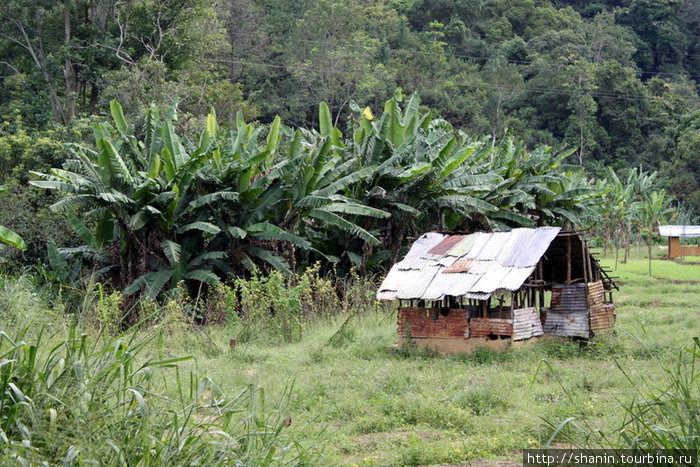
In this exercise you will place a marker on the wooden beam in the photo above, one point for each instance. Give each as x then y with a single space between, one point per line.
568 259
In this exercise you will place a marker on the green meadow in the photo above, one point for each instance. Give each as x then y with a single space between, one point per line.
346 394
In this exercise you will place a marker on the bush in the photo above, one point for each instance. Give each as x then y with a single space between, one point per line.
270 308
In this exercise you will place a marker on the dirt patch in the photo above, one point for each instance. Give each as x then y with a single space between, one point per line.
250 372
654 303
516 460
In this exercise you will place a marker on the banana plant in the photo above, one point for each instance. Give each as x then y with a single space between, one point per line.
9 237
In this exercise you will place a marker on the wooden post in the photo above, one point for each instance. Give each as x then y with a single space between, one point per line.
568 259
583 261
588 263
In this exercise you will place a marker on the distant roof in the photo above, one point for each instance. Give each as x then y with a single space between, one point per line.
470 266
679 230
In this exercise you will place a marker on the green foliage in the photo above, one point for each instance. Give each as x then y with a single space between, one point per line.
74 399
270 309
8 236
661 414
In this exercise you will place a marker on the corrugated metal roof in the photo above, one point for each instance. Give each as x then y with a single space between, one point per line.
468 249
679 230
471 266
492 247
417 281
532 248
387 295
393 280
415 257
461 265
445 245
461 248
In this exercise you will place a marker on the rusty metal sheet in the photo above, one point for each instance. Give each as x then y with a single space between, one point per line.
526 323
569 298
414 259
445 245
603 319
461 265
567 324
464 245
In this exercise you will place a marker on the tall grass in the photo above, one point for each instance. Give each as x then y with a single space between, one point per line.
78 398
661 414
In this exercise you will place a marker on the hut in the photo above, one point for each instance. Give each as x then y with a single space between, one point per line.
674 234
460 291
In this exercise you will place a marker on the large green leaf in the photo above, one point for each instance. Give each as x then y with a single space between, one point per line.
171 250
267 231
11 238
202 275
213 197
275 261
324 119
207 227
81 229
330 218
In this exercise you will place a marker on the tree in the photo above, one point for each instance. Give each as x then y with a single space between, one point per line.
653 210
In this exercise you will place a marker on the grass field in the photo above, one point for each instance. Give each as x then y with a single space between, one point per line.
361 400
376 404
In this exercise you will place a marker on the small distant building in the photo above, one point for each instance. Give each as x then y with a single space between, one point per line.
674 234
457 292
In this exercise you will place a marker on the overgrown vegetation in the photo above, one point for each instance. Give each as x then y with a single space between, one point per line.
615 79
69 397
339 387
253 234
158 209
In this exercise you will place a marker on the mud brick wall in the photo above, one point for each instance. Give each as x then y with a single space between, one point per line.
422 324
483 327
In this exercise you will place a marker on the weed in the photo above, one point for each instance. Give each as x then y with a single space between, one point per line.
484 356
480 401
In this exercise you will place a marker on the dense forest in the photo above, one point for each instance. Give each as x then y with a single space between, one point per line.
198 199
610 84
